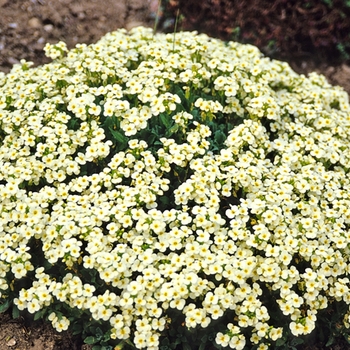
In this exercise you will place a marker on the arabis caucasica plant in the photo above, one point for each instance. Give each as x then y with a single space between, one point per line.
148 175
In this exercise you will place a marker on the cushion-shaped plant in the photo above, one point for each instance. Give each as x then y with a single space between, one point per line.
153 184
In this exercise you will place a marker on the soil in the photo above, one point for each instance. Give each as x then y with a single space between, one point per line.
17 334
25 27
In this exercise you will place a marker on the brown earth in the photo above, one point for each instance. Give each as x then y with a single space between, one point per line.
20 335
25 27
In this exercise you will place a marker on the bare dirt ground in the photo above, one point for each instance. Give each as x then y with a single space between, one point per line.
25 27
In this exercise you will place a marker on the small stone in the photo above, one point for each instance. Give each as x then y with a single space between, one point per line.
12 60
34 22
11 342
330 70
48 27
3 2
77 8
133 24
346 68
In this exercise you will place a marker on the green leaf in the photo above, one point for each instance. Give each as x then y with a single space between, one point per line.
15 312
164 200
121 140
77 329
4 307
106 337
150 137
280 341
202 346
182 96
111 123
165 342
181 173
99 333
172 130
61 83
177 341
165 120
219 137
330 341
118 136
90 340
106 347
186 346
196 114
98 347
297 341
204 338
73 124
40 314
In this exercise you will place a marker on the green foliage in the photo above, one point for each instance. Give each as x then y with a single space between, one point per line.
331 4
236 33
344 50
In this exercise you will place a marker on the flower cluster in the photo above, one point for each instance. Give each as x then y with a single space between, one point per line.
182 173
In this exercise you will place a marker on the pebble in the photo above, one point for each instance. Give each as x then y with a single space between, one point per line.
11 342
48 27
12 60
34 22
346 68
133 24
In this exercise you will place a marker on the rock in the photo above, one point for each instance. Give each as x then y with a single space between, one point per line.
12 60
34 23
41 41
133 24
48 27
11 342
346 69
77 8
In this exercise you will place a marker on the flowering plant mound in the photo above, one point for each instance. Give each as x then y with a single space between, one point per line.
172 181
